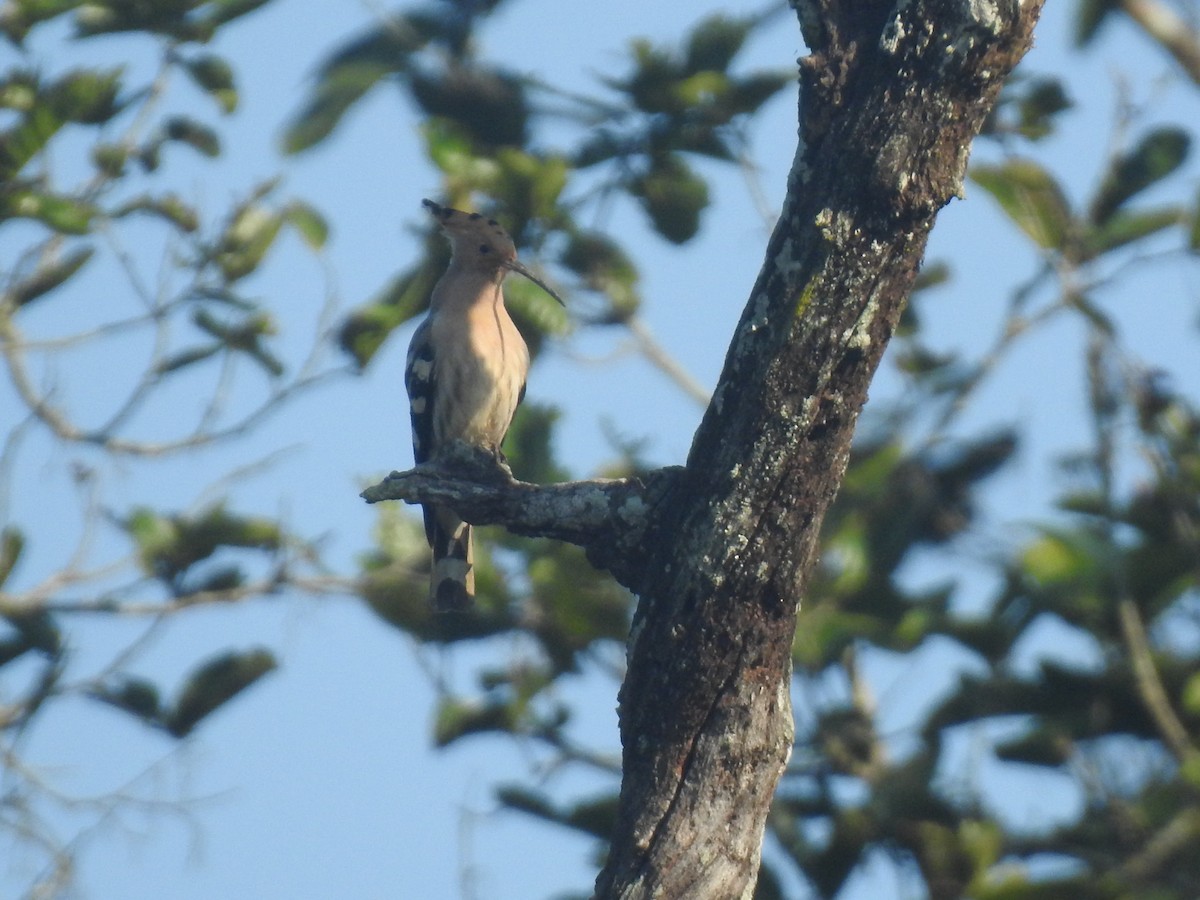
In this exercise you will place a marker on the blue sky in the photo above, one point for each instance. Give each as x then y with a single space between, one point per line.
321 782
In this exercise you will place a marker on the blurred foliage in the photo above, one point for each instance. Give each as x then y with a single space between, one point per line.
1117 568
86 159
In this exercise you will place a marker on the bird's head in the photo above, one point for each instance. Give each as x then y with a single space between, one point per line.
481 244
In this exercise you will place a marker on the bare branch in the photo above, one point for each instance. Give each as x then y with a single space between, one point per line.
1167 27
607 517
657 355
112 605
1150 687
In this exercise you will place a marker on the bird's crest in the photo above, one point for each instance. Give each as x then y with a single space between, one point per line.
481 243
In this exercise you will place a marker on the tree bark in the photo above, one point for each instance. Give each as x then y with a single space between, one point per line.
719 551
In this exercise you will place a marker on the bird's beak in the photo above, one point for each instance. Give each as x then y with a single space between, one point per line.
519 267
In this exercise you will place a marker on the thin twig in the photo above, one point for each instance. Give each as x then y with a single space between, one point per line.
657 355
110 605
1170 30
1150 687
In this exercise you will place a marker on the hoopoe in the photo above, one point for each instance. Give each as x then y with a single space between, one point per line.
465 376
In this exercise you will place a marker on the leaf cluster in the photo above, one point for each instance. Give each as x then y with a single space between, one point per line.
637 139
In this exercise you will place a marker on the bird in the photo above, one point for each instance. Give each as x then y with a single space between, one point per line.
465 376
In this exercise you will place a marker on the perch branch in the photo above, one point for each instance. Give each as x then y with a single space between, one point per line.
607 517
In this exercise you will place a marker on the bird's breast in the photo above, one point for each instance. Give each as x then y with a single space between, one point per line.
481 379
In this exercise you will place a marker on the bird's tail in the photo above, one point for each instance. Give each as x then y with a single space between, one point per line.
452 580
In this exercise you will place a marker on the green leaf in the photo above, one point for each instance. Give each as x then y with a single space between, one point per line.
449 147
218 527
828 634
1194 236
167 207
489 103
197 136
532 306
1156 156
48 276
529 185
575 606
352 71
243 335
216 683
21 16
181 20
920 361
214 76
1036 101
602 146
227 10
135 696
86 96
308 222
222 578
1042 746
63 214
701 89
604 267
1089 16
746 95
168 545
185 358
673 196
1189 770
12 646
529 444
1055 559
1191 695
1031 198
714 42
457 718
1087 501
385 47
247 239
25 140
110 159
12 542
650 86
223 295
594 817
985 842
19 90
1044 99
933 274
707 140
37 630
364 330
912 628
162 16
156 537
1125 227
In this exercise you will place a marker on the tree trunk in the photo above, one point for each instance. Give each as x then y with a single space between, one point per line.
891 99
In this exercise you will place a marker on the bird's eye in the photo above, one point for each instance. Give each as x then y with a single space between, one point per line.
484 248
